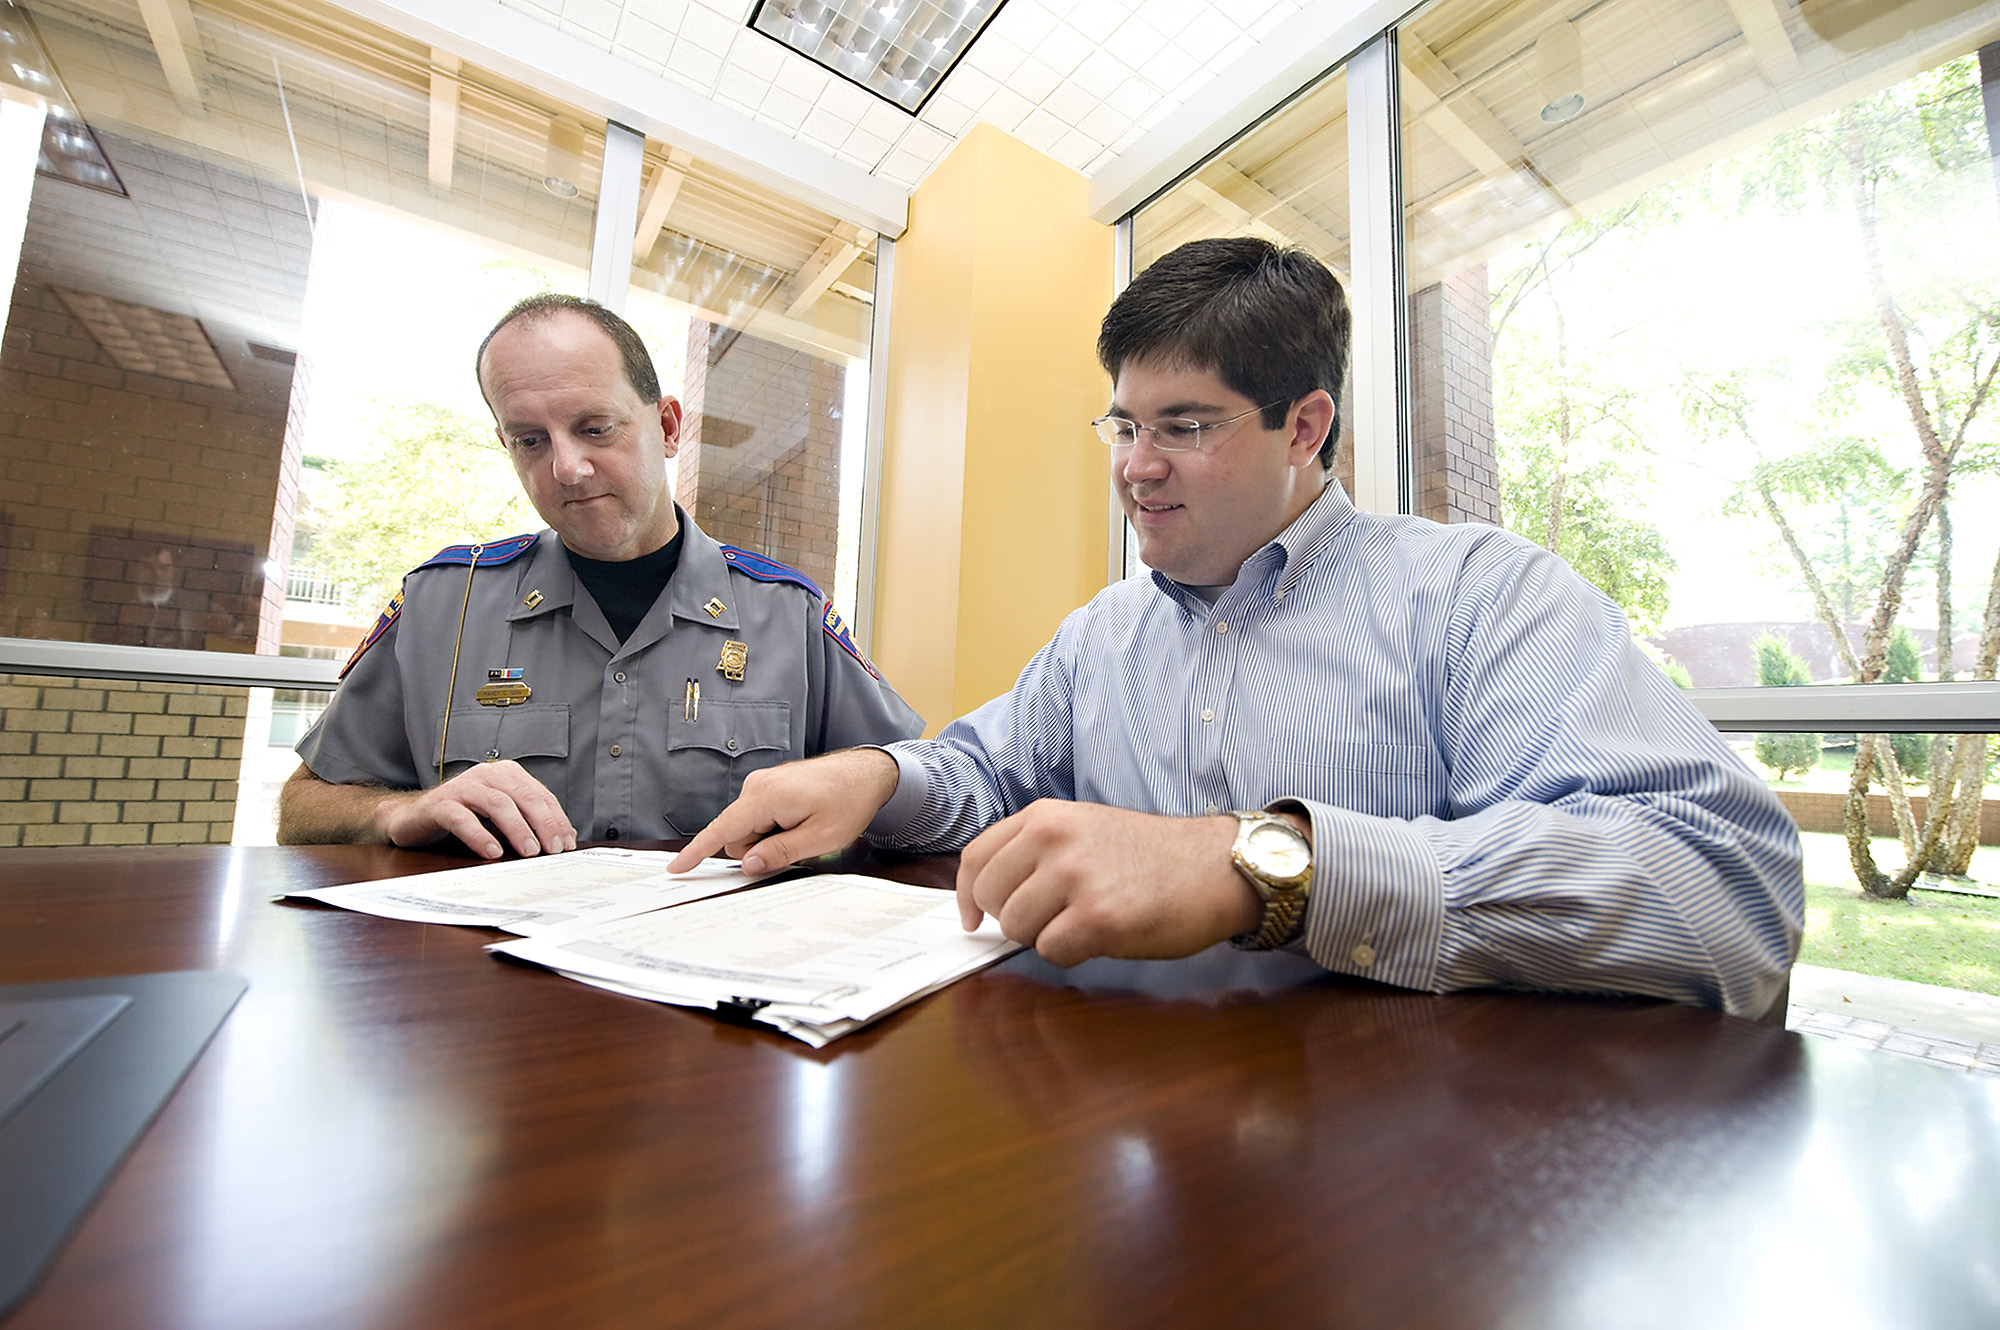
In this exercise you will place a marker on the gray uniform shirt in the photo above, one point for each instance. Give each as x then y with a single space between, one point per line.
612 730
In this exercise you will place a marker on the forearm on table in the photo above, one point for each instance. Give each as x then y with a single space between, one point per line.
1601 898
316 812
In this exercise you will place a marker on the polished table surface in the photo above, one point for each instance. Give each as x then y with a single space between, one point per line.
395 1129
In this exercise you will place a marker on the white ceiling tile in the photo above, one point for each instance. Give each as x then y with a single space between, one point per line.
785 108
694 65
643 40
1105 73
666 13
1135 42
1106 124
1071 102
1172 70
803 77
1034 80
1063 48
904 168
868 149
926 142
1260 27
846 100
823 127
948 114
886 121
1023 24
1232 52
740 85
1075 150
1207 34
1170 16
966 85
1136 97
1098 19
754 53
1153 117
1099 162
1040 130
708 30
1005 109
585 35
597 16
995 57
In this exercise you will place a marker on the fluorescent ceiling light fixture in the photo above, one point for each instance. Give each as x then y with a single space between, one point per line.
900 50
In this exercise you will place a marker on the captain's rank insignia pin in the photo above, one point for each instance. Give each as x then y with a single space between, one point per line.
532 599
735 655
715 608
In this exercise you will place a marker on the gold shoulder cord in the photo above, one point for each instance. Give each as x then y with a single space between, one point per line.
449 688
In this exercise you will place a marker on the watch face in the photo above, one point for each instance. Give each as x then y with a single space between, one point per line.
1277 851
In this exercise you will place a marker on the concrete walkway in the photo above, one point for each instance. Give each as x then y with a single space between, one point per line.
1946 1027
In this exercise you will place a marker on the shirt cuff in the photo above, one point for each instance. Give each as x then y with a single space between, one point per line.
1377 905
913 782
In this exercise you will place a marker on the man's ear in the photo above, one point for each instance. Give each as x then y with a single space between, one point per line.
1312 418
670 424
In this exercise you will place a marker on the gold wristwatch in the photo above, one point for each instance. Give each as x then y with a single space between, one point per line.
1277 859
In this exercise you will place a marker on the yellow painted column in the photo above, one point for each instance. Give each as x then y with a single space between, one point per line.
994 500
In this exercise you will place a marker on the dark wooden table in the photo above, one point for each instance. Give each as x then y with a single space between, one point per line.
394 1129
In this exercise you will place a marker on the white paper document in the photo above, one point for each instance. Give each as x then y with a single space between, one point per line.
531 895
816 958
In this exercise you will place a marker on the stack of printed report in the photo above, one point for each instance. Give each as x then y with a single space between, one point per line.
814 957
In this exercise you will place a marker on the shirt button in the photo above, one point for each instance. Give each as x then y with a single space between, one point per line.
611 833
620 676
1207 715
617 750
1363 956
492 755
1222 628
731 745
1211 810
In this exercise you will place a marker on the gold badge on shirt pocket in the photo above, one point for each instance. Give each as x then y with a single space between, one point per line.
735 655
503 689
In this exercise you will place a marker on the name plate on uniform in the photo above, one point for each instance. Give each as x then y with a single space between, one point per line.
511 693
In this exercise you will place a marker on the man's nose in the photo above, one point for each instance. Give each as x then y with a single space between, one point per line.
1141 461
570 459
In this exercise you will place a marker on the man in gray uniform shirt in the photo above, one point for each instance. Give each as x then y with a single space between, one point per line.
614 677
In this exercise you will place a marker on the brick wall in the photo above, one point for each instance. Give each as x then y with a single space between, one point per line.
138 510
760 453
1451 394
114 762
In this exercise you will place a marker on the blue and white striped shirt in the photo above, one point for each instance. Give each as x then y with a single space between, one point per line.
1503 789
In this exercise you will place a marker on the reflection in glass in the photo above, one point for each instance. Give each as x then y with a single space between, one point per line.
1704 299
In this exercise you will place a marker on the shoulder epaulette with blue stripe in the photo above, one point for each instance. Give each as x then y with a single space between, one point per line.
480 554
490 553
752 564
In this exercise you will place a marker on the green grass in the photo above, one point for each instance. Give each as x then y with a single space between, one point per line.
1929 938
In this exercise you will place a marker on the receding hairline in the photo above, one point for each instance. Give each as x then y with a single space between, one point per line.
535 316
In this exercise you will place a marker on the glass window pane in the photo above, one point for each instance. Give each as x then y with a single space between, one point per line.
1704 297
1284 180
773 303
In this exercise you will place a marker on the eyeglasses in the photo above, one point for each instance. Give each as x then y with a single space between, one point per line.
1177 435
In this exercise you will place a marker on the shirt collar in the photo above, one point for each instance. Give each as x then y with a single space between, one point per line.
1291 551
701 579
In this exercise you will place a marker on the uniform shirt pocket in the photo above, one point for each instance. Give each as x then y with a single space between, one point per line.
708 756
536 735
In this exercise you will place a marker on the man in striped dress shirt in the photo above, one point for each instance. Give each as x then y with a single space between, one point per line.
1430 755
